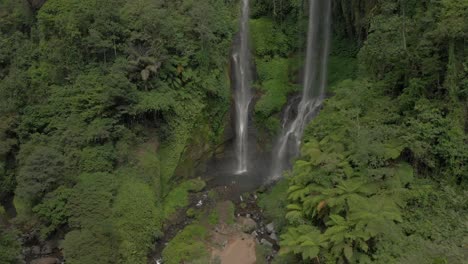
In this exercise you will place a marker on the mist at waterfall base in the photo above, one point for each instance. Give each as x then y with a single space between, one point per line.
241 166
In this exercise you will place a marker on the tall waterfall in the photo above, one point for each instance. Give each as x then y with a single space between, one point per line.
242 95
314 82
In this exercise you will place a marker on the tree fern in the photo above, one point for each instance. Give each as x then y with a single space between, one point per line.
298 193
304 240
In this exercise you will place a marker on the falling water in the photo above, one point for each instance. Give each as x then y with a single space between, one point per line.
318 43
242 95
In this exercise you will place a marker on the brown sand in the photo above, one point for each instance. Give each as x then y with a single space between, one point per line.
239 250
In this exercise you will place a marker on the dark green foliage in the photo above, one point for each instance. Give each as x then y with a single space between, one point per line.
95 159
89 209
341 68
137 220
433 228
10 248
267 39
53 210
276 71
41 172
382 160
274 204
352 18
83 85
90 246
178 197
100 101
188 245
355 188
7 145
90 202
352 181
275 78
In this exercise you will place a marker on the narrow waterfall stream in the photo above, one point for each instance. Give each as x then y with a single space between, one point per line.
242 94
314 82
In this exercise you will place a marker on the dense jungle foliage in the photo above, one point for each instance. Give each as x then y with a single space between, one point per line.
106 105
383 168
99 100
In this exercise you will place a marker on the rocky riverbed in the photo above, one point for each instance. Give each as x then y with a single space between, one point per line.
242 238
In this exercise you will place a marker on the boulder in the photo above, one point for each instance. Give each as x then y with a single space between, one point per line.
48 260
274 236
247 225
47 248
266 243
270 227
26 251
36 250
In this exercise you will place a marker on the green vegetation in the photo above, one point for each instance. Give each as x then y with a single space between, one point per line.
274 203
178 197
188 245
213 217
192 244
230 213
138 220
10 248
381 175
275 72
99 102
267 39
106 107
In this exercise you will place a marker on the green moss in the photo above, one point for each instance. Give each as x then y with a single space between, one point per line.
276 68
230 213
191 213
148 167
267 39
272 123
178 197
195 185
213 217
23 209
274 98
213 195
179 133
274 77
187 246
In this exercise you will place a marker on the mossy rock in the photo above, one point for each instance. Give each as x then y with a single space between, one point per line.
195 185
191 213
178 197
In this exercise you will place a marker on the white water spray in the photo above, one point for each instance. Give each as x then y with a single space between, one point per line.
314 82
242 95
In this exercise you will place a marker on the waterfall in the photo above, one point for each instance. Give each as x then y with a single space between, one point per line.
313 93
242 95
